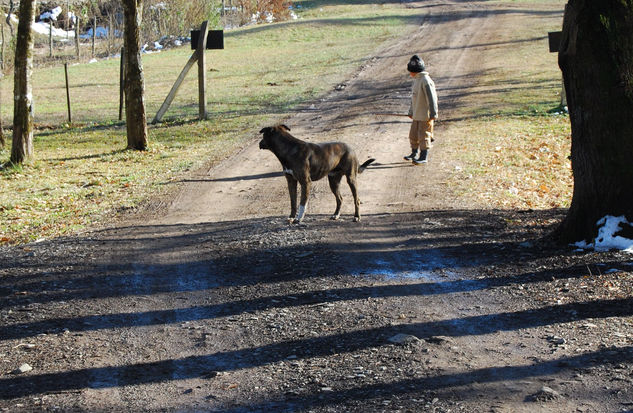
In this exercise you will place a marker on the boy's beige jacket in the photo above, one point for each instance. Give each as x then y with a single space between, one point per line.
423 98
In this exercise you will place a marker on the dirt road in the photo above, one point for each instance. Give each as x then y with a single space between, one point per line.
214 303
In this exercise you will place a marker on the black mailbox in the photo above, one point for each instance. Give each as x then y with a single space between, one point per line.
215 39
554 41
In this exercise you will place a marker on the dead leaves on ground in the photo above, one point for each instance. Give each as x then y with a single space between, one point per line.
518 163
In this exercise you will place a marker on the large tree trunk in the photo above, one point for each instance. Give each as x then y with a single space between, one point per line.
134 81
596 58
22 148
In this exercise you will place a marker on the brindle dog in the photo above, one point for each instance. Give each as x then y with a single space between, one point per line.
305 162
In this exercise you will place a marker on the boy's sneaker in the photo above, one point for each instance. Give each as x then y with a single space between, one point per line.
414 154
423 157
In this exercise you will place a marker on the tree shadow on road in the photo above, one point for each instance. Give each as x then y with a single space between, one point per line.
436 253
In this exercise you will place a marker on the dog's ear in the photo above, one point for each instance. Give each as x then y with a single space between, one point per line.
284 127
264 130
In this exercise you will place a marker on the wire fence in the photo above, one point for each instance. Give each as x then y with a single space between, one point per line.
77 54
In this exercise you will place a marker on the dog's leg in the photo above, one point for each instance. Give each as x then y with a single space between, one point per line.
335 181
351 181
305 192
292 190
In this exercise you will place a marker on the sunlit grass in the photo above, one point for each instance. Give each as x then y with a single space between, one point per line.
517 137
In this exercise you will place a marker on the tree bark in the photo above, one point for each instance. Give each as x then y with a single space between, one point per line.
22 148
134 81
596 58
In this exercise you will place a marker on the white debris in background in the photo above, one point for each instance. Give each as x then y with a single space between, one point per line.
606 240
53 14
44 28
262 17
101 32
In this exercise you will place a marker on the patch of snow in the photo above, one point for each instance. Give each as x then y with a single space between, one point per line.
53 14
44 29
606 240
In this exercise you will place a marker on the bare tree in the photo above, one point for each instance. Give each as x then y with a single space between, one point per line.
22 148
596 58
134 82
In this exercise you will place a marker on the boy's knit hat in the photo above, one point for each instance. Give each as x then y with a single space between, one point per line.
415 65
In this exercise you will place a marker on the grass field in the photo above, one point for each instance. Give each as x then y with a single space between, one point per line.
81 175
518 139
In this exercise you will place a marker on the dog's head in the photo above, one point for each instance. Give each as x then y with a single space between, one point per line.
269 132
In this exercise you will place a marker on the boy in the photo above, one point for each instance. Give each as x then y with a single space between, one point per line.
423 111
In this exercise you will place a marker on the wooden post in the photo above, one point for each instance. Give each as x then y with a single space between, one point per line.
77 36
2 141
122 83
172 93
202 72
198 55
67 18
94 34
554 45
50 37
70 118
2 50
110 34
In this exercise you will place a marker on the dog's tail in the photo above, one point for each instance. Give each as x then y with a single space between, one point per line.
365 165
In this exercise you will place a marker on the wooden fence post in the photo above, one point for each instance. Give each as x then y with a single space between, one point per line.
2 50
122 84
217 42
2 142
77 36
202 72
172 93
70 118
67 18
554 45
94 35
50 37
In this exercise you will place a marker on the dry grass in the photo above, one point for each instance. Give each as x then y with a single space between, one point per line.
517 163
516 136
